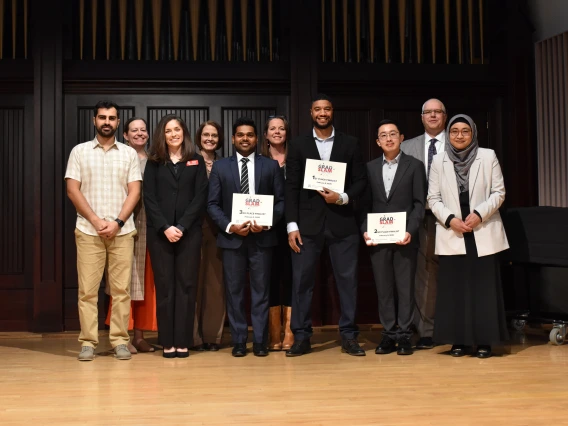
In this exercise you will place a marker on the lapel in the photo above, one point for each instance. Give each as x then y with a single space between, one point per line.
234 166
336 150
170 167
403 165
378 174
422 150
311 148
473 172
450 176
257 172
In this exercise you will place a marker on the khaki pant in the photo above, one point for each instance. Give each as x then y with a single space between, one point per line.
93 255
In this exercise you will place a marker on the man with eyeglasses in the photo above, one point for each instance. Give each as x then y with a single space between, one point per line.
315 218
396 183
424 148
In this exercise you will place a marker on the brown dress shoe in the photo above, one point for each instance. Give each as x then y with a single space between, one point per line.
288 335
274 328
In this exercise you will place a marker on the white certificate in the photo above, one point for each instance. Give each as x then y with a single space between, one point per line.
330 174
251 207
386 228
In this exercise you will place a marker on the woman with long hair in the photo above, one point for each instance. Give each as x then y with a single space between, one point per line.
175 194
276 131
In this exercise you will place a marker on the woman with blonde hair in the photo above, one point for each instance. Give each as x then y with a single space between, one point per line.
275 146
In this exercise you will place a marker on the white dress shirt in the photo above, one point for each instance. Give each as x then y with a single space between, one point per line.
250 168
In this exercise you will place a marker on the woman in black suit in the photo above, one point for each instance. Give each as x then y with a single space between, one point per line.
175 195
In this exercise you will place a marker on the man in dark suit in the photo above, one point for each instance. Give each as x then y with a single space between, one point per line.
396 183
424 148
246 244
318 217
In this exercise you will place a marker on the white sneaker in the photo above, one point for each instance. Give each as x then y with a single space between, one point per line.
87 353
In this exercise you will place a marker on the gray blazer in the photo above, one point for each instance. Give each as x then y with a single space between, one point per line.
415 147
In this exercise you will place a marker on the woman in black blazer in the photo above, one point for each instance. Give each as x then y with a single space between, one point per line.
175 195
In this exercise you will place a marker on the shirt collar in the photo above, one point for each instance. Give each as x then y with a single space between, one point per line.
395 161
97 144
440 137
331 137
240 157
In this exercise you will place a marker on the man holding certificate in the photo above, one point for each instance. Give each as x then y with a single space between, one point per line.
324 174
395 198
246 199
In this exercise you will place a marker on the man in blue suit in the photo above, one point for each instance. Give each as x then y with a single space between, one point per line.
246 244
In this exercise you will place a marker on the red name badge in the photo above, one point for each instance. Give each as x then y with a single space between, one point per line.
192 163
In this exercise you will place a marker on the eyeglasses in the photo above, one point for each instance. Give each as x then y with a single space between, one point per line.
392 135
433 111
465 132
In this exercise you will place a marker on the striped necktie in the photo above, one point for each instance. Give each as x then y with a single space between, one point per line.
244 176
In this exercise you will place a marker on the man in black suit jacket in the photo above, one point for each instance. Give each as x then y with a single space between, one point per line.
396 183
318 217
246 244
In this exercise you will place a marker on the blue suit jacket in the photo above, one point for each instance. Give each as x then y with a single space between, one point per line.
224 181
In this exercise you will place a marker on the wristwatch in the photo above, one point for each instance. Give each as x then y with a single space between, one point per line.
339 201
120 222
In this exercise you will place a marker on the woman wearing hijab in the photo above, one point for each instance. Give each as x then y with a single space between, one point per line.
465 192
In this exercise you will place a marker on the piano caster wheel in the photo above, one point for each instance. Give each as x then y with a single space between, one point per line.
557 337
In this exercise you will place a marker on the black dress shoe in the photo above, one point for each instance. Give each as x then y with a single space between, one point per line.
197 348
404 347
212 347
483 351
457 350
386 346
259 349
239 350
300 347
425 343
352 347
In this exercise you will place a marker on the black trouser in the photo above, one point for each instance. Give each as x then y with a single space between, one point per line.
176 271
394 268
344 254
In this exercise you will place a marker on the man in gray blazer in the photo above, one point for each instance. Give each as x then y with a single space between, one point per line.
424 147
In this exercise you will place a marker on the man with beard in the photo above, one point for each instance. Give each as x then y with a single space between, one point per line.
103 183
424 148
323 217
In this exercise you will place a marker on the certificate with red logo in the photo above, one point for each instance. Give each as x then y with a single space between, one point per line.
386 228
329 174
250 207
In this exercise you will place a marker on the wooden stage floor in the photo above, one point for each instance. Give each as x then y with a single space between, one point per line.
42 383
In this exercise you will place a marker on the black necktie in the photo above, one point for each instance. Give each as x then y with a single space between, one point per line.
244 176
431 153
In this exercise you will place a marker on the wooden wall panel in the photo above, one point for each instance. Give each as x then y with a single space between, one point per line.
12 133
230 115
16 306
193 117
